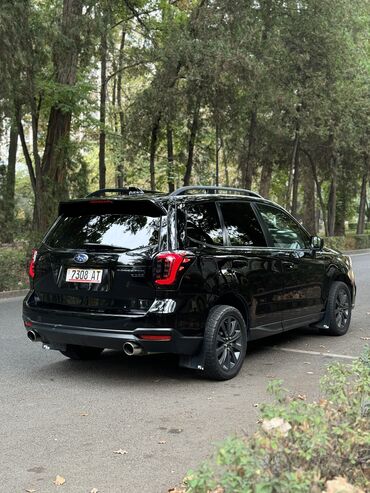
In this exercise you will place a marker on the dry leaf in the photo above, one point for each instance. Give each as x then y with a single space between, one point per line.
255 404
120 452
94 490
302 397
59 480
83 414
279 424
30 490
161 442
309 372
365 338
341 485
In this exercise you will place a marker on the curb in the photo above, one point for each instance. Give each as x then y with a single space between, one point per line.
356 252
4 295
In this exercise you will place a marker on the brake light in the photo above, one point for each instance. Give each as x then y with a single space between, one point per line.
31 270
168 265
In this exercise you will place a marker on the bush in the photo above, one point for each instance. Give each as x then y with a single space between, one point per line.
300 445
349 242
13 268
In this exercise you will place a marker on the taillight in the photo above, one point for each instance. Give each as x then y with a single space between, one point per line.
168 265
31 270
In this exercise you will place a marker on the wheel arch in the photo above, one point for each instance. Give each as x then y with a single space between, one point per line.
232 299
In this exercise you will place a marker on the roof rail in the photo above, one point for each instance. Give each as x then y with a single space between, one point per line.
120 191
214 189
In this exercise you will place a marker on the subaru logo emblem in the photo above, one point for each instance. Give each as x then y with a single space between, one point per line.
81 258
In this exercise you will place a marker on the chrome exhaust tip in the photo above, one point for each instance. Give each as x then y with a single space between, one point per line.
132 349
33 336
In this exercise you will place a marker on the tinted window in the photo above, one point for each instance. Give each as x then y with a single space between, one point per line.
114 230
203 224
285 232
241 224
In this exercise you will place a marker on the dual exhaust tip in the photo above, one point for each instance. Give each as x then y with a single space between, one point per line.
129 348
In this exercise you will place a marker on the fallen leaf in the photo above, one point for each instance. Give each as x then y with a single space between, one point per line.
161 442
341 485
322 345
94 490
59 480
309 372
276 424
365 338
255 404
83 414
302 397
120 451
30 490
306 363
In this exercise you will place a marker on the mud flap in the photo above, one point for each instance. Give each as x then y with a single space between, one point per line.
193 361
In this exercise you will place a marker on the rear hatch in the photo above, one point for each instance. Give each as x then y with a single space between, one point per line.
97 258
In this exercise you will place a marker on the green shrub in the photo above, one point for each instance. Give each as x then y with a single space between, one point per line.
348 242
13 268
300 445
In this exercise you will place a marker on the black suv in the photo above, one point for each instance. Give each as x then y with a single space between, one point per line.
198 272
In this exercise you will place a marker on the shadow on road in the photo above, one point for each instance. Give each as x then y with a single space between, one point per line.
115 368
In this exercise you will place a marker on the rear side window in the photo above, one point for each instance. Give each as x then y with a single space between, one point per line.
242 224
126 232
203 224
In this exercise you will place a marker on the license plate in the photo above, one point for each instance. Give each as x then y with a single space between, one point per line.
84 275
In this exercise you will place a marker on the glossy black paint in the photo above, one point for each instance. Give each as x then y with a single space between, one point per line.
275 288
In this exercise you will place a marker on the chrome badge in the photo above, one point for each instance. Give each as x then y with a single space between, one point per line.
81 258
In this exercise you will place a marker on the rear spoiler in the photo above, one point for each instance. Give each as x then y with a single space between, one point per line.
142 207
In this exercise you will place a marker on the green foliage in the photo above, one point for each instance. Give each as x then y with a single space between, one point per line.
348 242
323 439
13 268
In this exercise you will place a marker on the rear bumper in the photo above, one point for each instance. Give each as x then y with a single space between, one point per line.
59 336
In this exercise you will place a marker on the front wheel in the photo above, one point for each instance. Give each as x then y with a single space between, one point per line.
225 342
339 308
82 352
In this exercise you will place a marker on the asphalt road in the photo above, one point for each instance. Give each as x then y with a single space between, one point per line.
60 417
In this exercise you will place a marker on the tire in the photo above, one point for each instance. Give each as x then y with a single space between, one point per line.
224 357
82 352
339 308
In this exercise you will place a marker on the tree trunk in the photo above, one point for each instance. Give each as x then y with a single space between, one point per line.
217 155
120 166
296 182
153 149
193 127
170 159
266 175
224 159
51 186
103 103
332 204
309 210
292 168
246 161
9 205
363 199
318 189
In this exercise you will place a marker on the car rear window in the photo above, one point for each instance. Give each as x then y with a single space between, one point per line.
123 231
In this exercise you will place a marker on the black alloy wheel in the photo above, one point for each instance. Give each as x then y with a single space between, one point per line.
225 342
339 308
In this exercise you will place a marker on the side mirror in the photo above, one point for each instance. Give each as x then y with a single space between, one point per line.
317 243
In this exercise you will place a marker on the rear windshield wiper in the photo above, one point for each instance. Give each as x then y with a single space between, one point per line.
106 247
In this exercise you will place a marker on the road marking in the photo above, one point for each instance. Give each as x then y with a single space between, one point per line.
313 353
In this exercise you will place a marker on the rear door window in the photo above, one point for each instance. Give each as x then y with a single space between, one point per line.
242 224
126 232
203 224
